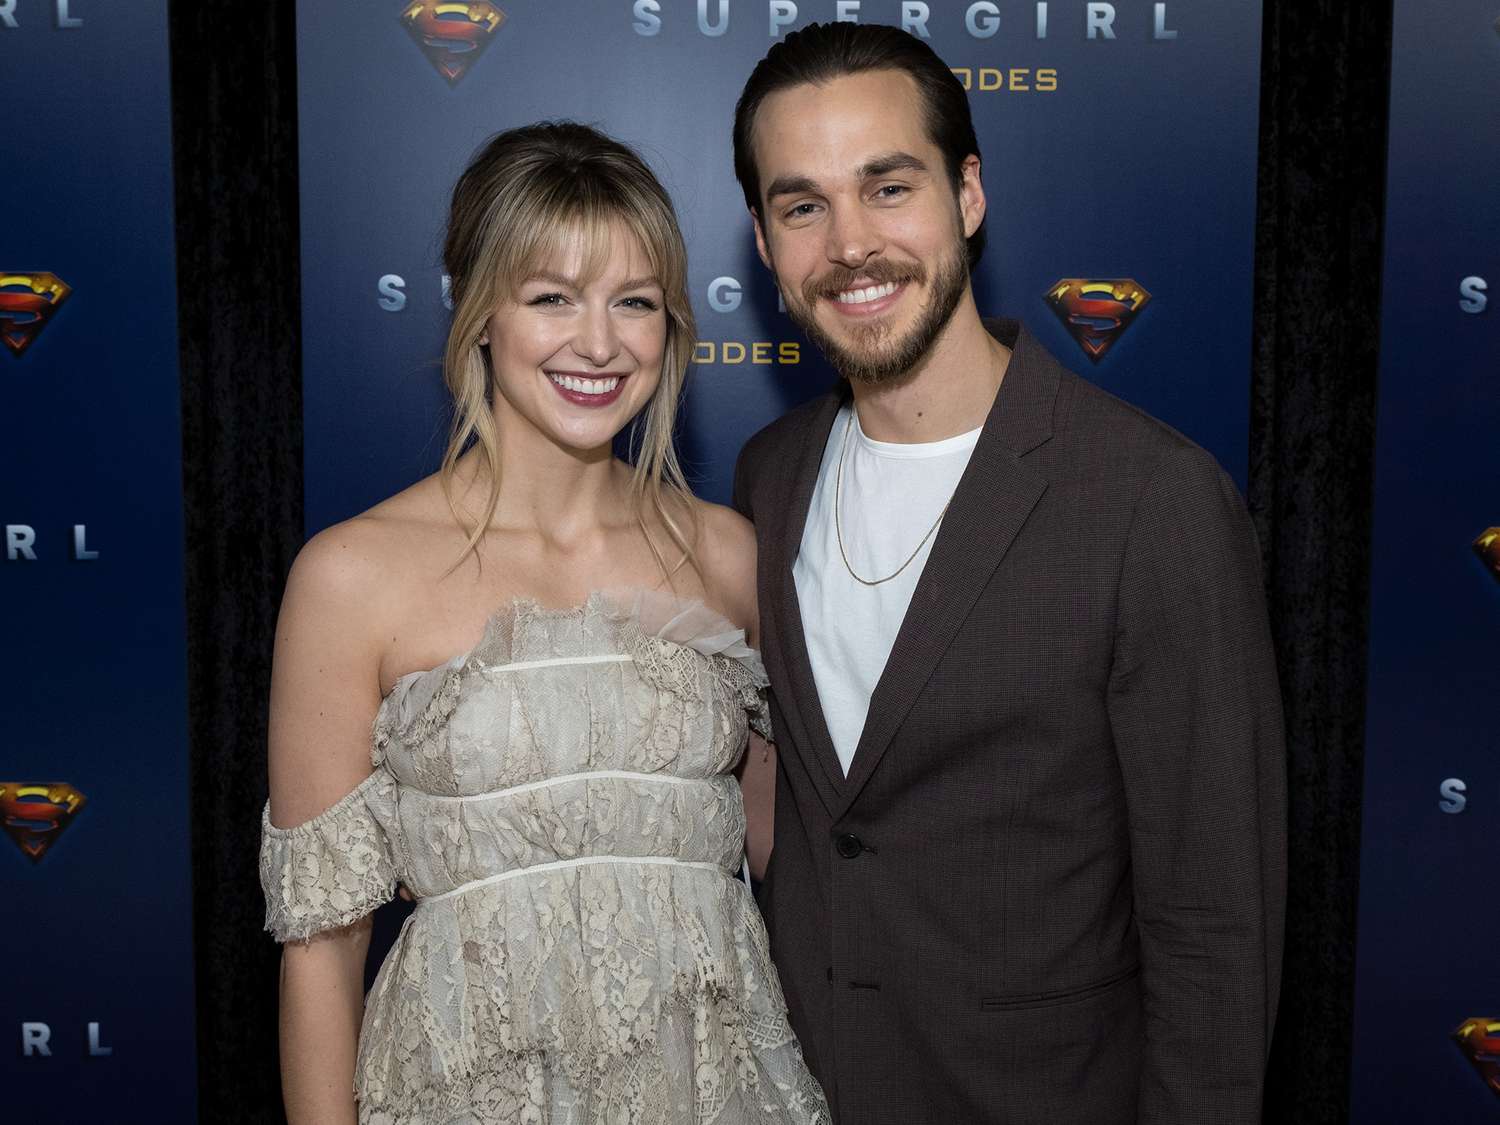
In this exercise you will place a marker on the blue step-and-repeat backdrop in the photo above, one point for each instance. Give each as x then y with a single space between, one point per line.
1427 1027
1119 144
96 929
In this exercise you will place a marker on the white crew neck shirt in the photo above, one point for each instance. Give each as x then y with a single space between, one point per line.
892 493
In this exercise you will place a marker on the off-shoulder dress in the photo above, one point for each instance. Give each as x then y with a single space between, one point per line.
560 802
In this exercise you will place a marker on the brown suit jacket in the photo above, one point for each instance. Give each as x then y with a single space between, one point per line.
1051 887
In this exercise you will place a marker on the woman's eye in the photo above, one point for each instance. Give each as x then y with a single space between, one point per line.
644 303
547 299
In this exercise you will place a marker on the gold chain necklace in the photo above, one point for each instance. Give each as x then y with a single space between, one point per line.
838 531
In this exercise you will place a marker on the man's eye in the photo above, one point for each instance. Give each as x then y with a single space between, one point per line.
801 210
892 191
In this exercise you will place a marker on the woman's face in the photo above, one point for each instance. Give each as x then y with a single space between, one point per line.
576 359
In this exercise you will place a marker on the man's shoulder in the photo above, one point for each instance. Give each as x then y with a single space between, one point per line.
1098 435
1146 461
788 431
1096 413
1081 416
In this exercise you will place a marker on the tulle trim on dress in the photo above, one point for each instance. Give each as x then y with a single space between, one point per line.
649 624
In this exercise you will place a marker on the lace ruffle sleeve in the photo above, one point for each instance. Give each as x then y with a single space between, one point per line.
333 869
759 710
748 681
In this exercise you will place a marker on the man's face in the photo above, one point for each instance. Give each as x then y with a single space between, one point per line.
859 221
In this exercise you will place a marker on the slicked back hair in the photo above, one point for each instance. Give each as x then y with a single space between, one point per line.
821 52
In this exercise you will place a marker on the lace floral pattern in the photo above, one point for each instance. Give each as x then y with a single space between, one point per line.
560 800
332 870
746 686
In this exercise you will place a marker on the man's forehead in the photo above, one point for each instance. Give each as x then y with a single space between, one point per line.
845 124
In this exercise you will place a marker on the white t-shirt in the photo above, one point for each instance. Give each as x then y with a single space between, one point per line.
891 494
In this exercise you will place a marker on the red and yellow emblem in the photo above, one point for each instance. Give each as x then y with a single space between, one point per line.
1487 547
35 814
1479 1040
27 302
1096 311
452 35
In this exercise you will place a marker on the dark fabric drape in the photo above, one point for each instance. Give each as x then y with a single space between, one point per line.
1323 120
1325 84
235 147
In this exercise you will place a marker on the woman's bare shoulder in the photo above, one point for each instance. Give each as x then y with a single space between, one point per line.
365 562
726 559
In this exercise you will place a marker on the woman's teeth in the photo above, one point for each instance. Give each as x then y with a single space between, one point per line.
869 293
585 386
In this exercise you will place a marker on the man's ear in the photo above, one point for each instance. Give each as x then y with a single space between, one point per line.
760 240
971 201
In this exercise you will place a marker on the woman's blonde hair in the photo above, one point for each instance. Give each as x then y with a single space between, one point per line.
530 193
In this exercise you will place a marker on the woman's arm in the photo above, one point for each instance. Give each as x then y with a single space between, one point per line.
757 773
728 557
322 1003
325 690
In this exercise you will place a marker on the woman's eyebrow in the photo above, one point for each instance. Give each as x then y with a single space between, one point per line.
551 278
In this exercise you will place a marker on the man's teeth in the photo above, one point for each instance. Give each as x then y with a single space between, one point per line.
585 386
869 293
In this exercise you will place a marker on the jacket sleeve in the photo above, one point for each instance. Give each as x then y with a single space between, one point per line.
740 499
1196 716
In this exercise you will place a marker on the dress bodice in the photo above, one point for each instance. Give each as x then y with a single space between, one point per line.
603 731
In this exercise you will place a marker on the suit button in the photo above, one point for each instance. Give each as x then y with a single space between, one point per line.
848 845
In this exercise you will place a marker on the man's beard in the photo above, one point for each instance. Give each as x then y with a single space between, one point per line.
876 355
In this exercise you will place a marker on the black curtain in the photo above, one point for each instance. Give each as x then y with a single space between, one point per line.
234 134
1325 98
1325 77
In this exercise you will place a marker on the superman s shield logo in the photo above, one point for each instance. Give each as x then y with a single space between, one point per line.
452 35
35 814
27 303
1095 311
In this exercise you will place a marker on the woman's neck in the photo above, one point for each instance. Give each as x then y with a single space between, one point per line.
546 489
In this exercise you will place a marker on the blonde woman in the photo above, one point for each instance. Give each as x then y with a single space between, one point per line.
519 688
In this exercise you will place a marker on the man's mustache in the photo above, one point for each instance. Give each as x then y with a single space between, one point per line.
877 272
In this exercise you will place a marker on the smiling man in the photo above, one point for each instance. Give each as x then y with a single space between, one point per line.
1029 845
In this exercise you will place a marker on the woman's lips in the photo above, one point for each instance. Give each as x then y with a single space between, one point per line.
588 388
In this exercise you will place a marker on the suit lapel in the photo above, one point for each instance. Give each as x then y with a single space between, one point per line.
804 709
994 498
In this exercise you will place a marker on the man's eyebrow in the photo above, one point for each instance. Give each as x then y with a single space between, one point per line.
790 185
882 165
892 162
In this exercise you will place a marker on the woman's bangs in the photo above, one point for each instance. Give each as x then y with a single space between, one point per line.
579 244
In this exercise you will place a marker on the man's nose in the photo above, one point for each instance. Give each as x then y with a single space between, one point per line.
852 238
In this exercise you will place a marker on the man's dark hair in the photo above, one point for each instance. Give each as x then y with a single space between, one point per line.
821 52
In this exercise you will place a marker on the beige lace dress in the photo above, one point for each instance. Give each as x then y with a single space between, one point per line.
560 802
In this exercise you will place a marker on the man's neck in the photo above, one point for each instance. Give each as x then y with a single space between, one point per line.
949 392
